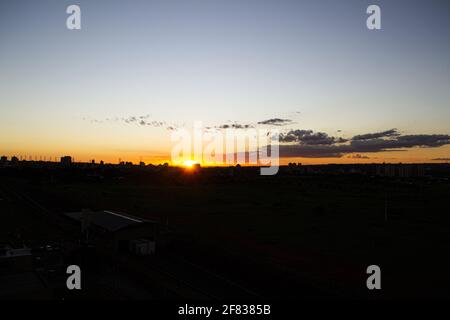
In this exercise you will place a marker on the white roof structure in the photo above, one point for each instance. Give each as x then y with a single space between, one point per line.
106 219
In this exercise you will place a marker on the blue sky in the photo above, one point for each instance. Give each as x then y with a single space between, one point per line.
215 61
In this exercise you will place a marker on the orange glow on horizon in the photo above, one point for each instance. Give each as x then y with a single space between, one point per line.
189 163
155 157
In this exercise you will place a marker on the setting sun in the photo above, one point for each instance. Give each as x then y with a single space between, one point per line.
189 163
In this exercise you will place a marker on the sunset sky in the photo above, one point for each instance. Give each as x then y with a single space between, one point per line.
137 70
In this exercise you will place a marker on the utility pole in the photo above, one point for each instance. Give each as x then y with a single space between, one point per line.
386 208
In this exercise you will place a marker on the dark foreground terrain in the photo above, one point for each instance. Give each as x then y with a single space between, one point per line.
231 233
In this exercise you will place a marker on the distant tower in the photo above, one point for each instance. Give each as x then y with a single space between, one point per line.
66 160
386 208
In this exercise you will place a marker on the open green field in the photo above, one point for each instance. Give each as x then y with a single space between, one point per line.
327 227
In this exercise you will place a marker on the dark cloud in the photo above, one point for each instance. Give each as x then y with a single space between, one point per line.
317 145
276 122
441 159
406 141
423 140
308 151
308 137
383 134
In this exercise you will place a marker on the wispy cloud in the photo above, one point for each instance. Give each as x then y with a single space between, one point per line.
383 134
143 120
235 126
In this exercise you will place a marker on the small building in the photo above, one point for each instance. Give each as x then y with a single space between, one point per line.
19 259
117 232
400 170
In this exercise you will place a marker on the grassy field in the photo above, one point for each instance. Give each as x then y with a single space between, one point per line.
329 227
